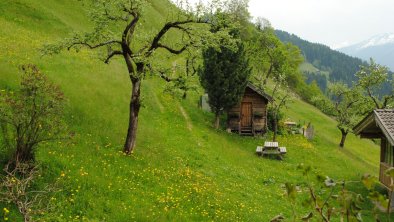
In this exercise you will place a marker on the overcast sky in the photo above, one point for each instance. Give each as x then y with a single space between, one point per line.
334 23
331 22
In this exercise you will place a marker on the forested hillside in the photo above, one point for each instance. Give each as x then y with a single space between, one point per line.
339 66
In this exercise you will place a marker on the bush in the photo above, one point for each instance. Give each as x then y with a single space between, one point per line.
30 116
270 121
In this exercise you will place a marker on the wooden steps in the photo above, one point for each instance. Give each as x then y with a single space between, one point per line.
246 131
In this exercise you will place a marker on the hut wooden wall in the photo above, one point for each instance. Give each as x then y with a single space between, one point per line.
259 107
258 102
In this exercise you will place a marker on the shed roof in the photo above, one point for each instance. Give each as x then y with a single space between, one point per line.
379 120
258 91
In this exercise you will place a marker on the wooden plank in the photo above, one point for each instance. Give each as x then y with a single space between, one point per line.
383 178
268 144
259 150
270 151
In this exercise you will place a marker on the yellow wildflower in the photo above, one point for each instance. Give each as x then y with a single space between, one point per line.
6 211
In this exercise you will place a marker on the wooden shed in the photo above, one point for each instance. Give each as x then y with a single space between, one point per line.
249 117
379 124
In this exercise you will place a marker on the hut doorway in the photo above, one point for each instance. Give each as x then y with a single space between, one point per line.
246 115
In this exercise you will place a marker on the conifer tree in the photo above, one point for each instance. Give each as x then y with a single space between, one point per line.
224 77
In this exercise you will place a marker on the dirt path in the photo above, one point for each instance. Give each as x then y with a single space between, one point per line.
188 122
161 107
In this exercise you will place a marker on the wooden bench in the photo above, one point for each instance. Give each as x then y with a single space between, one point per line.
259 150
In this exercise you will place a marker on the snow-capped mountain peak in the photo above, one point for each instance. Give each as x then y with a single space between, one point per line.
380 48
377 40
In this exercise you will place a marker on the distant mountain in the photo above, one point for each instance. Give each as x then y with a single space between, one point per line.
339 66
380 48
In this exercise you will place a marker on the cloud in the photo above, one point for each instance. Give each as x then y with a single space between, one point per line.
330 22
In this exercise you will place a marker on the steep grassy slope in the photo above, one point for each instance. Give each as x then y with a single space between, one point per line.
182 169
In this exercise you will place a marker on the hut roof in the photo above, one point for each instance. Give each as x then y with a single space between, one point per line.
380 120
258 91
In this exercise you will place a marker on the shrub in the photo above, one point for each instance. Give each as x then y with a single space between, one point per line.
30 116
270 121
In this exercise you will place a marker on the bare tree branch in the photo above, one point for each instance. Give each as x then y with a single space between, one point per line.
164 76
168 26
173 51
129 31
112 54
190 63
114 18
90 46
373 98
130 10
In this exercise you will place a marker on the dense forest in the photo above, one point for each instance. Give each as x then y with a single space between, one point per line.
340 66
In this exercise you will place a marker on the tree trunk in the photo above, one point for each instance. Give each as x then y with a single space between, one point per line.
217 121
268 75
275 129
23 153
135 105
344 134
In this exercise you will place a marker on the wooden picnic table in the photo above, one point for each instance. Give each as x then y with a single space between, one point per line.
271 148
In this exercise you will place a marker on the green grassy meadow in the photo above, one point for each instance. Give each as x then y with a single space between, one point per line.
182 169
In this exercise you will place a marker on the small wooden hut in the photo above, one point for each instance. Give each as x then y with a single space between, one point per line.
249 117
380 125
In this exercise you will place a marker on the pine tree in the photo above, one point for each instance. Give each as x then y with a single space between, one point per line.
224 77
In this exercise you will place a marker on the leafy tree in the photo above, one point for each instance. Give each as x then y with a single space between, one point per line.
271 56
348 105
372 78
332 200
31 115
224 76
324 104
118 30
239 13
279 62
280 97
